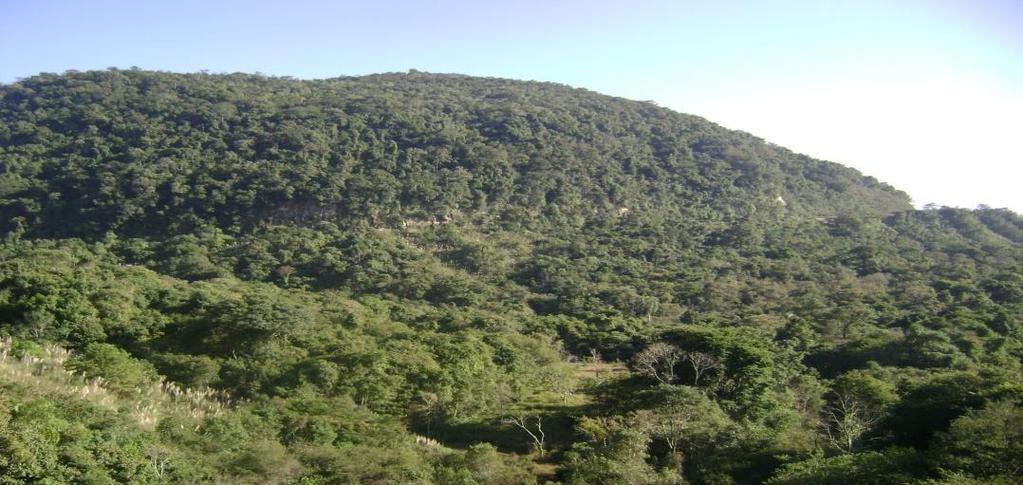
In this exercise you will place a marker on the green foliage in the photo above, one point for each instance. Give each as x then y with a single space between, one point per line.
891 467
481 464
930 406
58 439
334 263
620 459
986 442
121 372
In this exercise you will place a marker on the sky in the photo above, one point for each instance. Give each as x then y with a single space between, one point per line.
924 95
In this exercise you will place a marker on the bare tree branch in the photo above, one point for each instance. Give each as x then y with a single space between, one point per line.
522 421
846 421
659 361
701 363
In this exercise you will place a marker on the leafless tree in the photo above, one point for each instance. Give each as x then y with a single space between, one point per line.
701 363
847 420
429 407
659 361
523 421
285 272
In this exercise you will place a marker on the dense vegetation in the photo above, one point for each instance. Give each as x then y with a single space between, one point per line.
418 278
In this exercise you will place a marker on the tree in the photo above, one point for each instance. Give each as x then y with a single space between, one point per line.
598 429
659 361
285 272
846 420
686 420
986 442
701 363
122 373
621 461
892 465
523 421
429 407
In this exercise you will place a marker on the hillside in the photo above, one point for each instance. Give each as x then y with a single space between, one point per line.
405 278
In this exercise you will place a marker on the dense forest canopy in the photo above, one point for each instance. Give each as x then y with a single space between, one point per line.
423 278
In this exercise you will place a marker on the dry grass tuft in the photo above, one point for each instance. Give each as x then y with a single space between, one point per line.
161 399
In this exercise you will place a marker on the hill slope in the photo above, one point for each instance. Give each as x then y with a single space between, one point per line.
142 152
366 258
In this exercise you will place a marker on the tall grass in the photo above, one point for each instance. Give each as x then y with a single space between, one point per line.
47 376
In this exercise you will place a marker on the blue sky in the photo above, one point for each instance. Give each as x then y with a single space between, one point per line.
926 95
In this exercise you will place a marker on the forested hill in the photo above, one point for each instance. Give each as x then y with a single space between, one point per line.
422 278
146 153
